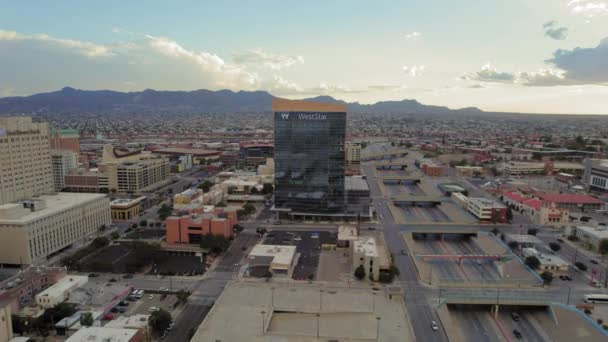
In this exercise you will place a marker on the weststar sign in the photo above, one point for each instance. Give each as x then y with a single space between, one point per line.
304 116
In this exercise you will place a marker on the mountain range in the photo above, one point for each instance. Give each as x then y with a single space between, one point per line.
70 100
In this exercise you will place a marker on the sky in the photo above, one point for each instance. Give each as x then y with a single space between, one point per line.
534 56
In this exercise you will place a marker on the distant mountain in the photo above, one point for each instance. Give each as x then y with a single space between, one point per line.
70 100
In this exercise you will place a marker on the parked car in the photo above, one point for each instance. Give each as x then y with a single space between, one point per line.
127 276
163 289
93 275
112 280
593 261
153 309
108 317
151 297
434 326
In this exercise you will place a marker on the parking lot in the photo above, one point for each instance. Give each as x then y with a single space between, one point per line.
143 305
145 234
308 245
179 265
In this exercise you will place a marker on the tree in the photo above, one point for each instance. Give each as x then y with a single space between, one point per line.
221 204
603 247
86 320
513 244
532 231
102 228
114 235
143 223
547 277
509 214
159 321
267 189
206 185
238 228
555 246
254 191
216 244
494 231
249 208
164 212
360 272
182 296
100 242
532 262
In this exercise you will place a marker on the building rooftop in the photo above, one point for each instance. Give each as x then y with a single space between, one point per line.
366 245
102 334
355 183
598 232
289 311
523 238
282 255
570 198
52 204
138 321
486 202
347 233
126 202
197 152
66 283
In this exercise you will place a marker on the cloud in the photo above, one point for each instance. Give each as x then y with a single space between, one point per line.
412 35
583 65
588 8
489 73
384 87
475 86
554 31
86 49
414 70
543 78
260 58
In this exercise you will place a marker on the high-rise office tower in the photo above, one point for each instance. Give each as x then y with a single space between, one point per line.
25 159
63 161
309 158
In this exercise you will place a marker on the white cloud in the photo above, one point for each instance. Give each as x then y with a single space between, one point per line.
489 73
543 78
84 48
414 70
412 35
583 65
588 8
260 58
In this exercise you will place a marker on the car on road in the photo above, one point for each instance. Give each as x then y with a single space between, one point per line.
560 240
404 252
371 228
112 280
127 276
434 326
515 316
108 317
516 333
593 261
163 289
93 275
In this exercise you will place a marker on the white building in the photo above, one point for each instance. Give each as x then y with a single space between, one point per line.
485 209
550 263
352 153
592 236
25 159
281 259
103 334
34 229
60 291
596 174
63 161
366 251
460 199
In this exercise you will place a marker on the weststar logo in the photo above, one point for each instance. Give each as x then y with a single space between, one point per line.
285 116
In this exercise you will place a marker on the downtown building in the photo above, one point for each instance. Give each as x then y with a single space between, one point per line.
35 221
309 157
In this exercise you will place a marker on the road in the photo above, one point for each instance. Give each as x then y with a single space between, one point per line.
419 310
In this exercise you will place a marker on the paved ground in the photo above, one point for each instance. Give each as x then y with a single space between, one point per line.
334 266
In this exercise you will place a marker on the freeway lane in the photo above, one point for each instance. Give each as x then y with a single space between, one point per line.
420 315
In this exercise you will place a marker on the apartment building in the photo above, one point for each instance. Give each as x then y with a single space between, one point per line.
134 175
353 153
595 175
31 230
487 210
373 257
25 159
63 161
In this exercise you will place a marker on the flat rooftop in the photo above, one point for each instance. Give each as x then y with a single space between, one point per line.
523 238
99 334
126 202
355 183
298 312
598 232
57 203
281 255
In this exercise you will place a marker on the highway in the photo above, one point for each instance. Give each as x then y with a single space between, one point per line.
419 312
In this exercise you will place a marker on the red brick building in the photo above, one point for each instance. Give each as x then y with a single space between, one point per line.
190 228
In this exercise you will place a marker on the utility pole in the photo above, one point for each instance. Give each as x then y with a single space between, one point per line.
568 299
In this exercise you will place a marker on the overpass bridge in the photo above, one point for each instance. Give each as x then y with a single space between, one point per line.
387 165
461 257
529 297
413 199
401 179
381 155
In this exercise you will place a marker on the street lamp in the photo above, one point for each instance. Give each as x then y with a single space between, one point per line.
318 324
378 327
262 313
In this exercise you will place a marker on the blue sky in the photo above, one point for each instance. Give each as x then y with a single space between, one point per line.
545 56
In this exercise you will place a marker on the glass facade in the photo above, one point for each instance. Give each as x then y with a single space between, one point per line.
309 161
